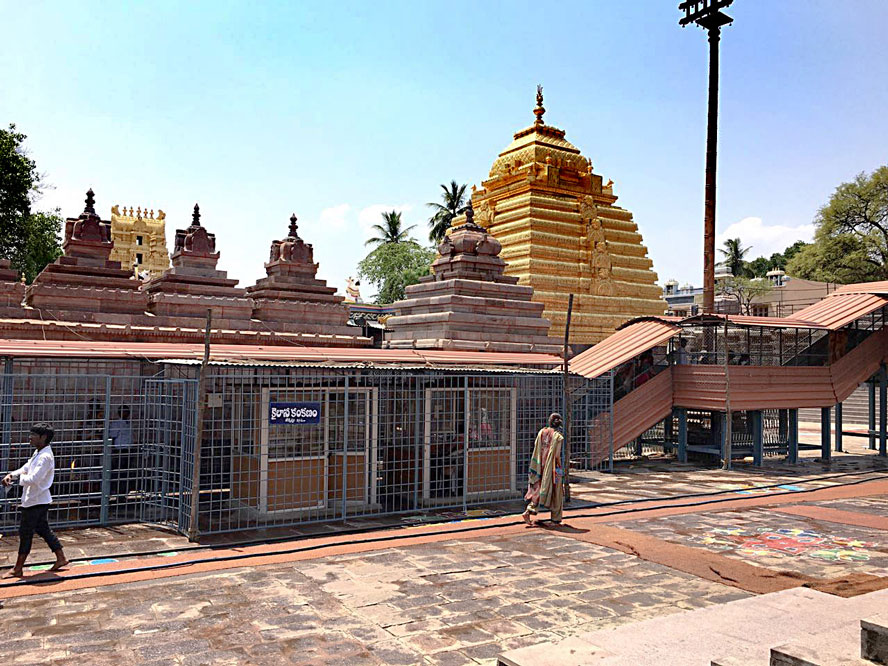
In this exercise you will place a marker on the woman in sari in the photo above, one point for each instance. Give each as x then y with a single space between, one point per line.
544 488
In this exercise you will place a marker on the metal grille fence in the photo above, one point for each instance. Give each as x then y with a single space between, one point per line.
282 446
108 431
287 446
591 427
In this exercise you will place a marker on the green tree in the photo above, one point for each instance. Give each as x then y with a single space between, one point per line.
851 240
760 266
735 254
29 240
390 231
454 198
744 290
842 258
394 266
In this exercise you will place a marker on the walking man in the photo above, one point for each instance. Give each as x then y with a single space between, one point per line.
35 477
544 487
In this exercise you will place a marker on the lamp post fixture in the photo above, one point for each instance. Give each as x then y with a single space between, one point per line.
708 15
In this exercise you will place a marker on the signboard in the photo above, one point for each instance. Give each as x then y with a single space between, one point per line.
294 413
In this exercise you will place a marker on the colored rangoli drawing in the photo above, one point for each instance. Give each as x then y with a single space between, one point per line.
768 490
787 542
840 555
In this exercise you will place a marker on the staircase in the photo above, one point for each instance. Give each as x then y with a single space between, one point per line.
795 627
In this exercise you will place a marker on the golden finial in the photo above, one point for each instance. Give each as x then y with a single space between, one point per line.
23 278
539 110
131 211
139 212
152 213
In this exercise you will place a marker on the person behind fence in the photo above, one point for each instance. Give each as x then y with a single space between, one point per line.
125 459
544 484
35 477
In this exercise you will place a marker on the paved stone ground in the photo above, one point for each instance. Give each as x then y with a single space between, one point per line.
774 540
462 602
458 602
631 481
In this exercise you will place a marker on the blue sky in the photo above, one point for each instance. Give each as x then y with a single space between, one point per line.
339 111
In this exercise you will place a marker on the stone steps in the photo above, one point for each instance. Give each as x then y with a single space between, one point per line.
874 638
737 633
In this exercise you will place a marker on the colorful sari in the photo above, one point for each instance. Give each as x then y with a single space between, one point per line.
544 487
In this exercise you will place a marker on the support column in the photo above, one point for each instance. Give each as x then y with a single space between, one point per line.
782 424
825 422
682 435
723 440
871 414
758 443
883 411
639 447
838 446
792 455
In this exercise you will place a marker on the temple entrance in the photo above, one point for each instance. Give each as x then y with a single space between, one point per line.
316 448
469 444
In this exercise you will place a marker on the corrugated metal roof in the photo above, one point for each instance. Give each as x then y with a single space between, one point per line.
878 288
625 344
369 365
839 309
246 353
748 320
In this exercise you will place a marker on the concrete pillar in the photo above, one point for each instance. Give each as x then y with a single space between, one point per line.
758 438
825 422
793 437
838 427
682 435
871 414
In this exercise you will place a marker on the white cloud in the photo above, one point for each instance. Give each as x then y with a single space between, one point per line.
335 217
764 239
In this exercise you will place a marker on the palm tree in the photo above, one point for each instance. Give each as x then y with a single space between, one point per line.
454 204
734 253
390 231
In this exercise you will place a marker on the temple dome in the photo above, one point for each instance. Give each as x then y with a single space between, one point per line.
538 144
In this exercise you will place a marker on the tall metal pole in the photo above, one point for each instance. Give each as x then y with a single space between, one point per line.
708 15
566 401
711 160
199 430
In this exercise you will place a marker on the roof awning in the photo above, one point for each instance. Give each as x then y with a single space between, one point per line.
155 351
624 345
841 308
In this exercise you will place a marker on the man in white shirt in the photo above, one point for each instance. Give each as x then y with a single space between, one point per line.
125 458
36 477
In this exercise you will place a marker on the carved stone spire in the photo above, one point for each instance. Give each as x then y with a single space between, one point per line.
195 216
539 110
90 202
293 227
470 218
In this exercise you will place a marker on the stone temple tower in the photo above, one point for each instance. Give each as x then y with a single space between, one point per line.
140 240
562 233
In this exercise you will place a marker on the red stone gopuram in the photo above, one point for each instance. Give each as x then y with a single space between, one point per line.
292 296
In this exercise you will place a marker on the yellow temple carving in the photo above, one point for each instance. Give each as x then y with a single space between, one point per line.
563 233
139 240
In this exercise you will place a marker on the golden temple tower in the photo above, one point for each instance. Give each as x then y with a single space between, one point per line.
562 233
140 241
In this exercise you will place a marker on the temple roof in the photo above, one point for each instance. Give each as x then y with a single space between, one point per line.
538 142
